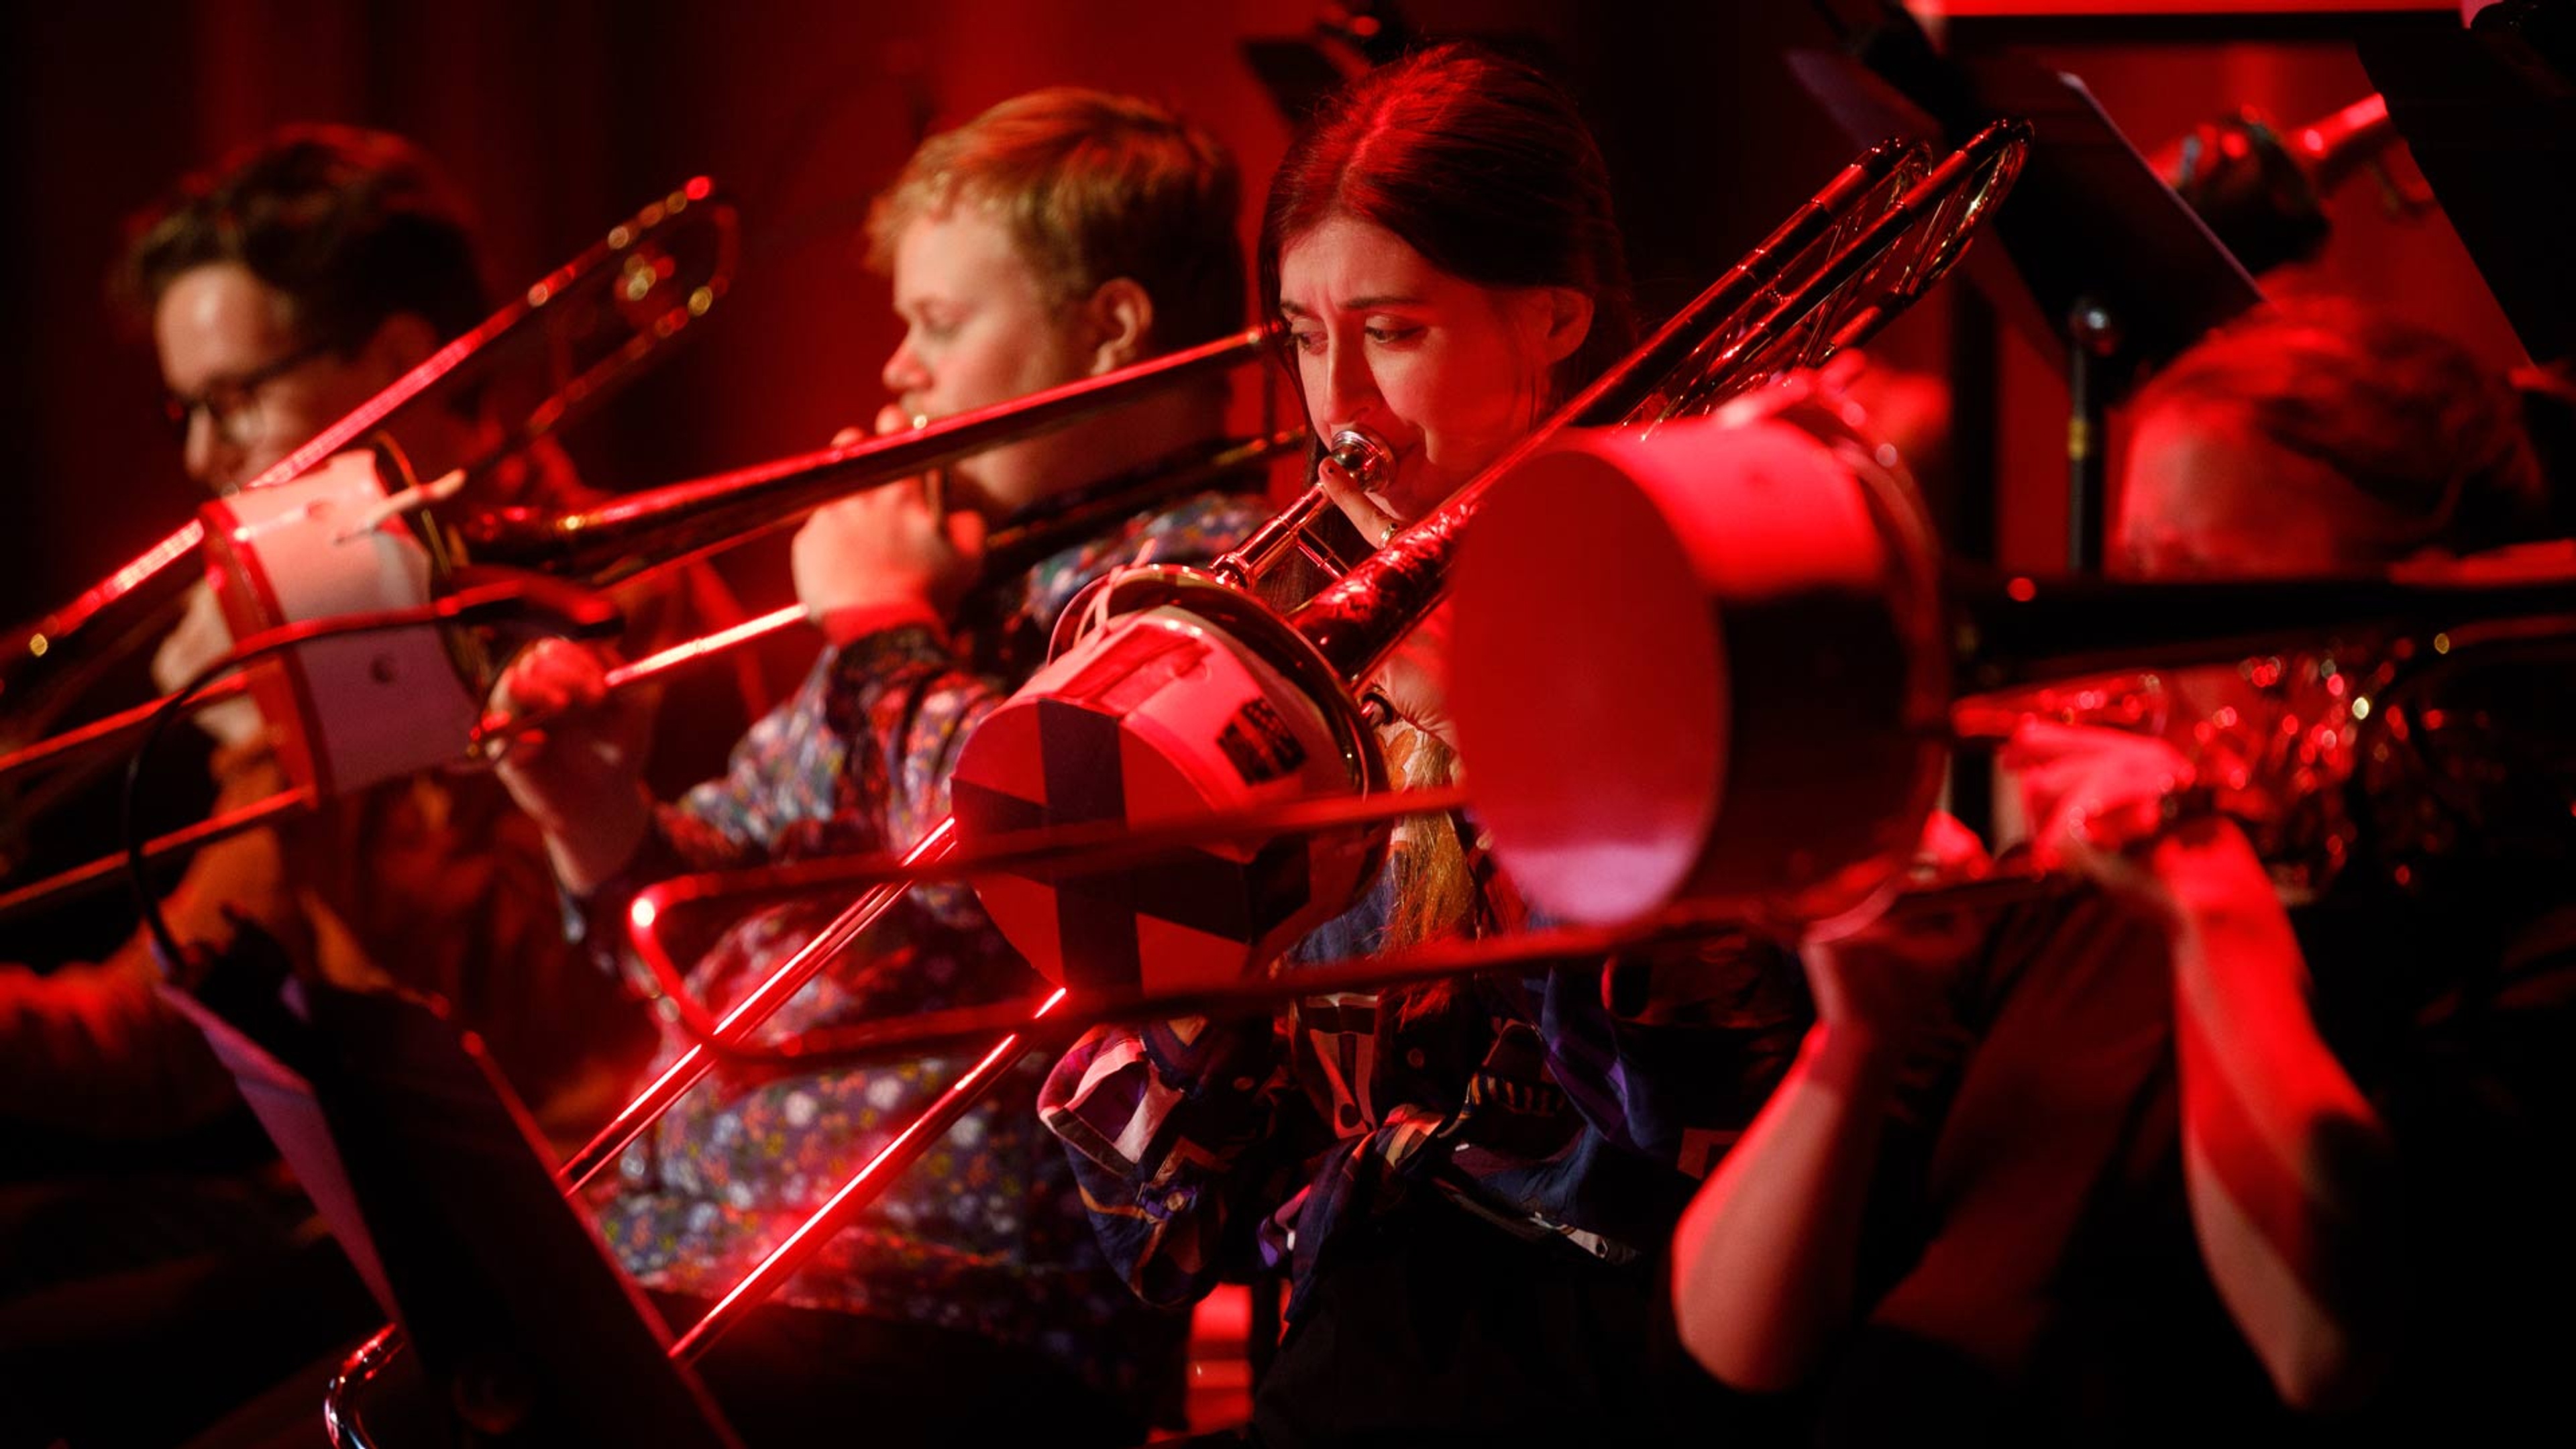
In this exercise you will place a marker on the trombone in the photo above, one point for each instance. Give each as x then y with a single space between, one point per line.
1881 232
546 358
302 528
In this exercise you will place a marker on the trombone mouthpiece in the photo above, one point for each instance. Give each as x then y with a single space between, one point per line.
1361 455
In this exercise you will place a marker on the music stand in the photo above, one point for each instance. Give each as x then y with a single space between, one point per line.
2490 117
2103 267
432 1178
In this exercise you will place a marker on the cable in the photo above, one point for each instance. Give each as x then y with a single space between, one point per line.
556 606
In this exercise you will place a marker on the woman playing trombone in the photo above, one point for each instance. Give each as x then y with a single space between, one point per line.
1464 1184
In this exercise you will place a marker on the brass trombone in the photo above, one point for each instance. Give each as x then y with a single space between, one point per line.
2008 633
1824 281
545 359
635 535
1880 233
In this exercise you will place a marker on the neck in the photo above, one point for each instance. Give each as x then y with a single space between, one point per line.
1145 433
1119 443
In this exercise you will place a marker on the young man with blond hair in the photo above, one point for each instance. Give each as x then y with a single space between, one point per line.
1060 235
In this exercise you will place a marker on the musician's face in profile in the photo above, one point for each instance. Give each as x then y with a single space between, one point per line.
1447 372
981 328
252 386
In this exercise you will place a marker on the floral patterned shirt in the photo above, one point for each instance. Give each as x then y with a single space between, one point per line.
988 1233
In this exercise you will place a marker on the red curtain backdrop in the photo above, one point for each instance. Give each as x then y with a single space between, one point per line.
560 118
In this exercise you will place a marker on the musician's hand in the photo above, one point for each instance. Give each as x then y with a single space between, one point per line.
1414 680
1884 983
886 556
2093 798
579 775
201 638
1376 522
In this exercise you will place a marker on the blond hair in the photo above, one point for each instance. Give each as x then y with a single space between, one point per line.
1091 187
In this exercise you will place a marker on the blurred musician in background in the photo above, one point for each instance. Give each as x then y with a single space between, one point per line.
283 289
2128 1165
1057 236
1465 1185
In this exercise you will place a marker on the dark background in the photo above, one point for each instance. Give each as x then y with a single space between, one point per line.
561 118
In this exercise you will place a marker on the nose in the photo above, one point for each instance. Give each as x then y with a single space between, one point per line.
206 453
904 375
1350 390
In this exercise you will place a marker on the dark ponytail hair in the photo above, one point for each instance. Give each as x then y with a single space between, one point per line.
1483 166
1479 163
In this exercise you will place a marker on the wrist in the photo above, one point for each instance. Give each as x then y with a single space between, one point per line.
844 624
1854 1058
594 851
2206 866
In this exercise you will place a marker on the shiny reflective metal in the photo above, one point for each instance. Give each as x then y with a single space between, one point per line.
546 358
644 533
661 527
1847 261
1287 558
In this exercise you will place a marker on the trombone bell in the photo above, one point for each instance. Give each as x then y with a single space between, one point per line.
1165 715
1671 654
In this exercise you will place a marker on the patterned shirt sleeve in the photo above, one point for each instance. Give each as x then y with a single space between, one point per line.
1187 1137
858 758
1167 1125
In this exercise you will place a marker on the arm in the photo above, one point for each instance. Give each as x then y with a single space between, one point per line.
1765 1258
2287 1169
856 756
91 1048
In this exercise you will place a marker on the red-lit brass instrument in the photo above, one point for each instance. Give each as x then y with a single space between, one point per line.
550 355
2261 186
330 542
2444 664
1885 230
1811 663
1880 233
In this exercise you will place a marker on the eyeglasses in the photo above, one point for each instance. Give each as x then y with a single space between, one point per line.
232 403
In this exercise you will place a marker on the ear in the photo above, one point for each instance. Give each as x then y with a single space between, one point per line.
1559 319
400 343
1119 319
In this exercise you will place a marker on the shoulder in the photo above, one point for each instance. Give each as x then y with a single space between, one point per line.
1198 527
1191 530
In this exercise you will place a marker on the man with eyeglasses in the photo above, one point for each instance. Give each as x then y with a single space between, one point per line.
293 285
283 290
215 307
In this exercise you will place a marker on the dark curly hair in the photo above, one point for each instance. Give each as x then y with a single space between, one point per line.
351 226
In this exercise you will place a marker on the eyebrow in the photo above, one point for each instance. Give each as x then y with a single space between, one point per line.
1356 304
